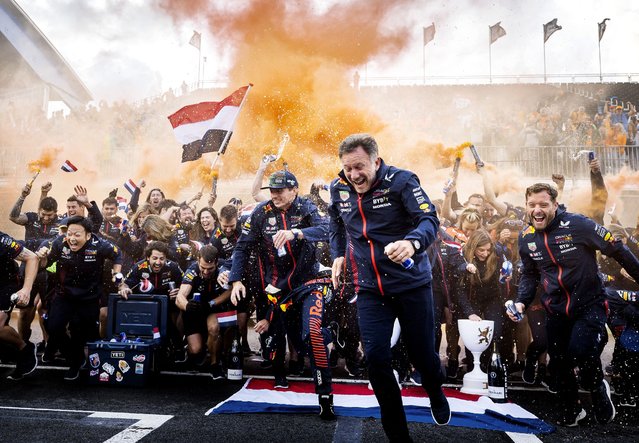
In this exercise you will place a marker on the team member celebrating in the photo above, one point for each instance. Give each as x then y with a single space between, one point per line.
386 215
562 247
80 257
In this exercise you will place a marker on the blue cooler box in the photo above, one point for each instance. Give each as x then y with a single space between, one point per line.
143 318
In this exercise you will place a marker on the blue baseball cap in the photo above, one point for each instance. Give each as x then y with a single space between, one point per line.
280 180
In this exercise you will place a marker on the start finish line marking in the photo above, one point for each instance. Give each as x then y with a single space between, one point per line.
145 424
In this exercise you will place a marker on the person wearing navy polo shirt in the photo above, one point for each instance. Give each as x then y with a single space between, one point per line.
388 218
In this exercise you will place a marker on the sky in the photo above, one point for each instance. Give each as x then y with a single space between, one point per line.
133 49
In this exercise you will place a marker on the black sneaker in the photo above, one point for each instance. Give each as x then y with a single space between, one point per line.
281 382
216 372
452 368
572 418
530 371
326 407
602 403
26 364
439 408
73 373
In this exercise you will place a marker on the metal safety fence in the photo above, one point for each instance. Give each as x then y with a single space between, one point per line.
571 161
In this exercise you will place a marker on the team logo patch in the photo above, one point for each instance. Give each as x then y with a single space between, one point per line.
272 221
532 246
344 195
424 207
528 230
224 241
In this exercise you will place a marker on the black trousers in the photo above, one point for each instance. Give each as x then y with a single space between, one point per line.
377 313
82 319
573 341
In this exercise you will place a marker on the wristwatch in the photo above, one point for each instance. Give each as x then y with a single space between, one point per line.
416 244
296 233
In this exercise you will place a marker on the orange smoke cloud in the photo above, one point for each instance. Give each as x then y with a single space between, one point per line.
45 161
300 64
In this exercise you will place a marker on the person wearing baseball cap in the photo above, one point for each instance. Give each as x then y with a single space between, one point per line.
284 231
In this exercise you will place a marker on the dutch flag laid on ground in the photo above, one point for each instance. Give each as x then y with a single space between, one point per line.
356 400
67 166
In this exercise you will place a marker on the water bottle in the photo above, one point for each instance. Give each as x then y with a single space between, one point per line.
448 185
235 361
505 271
171 285
408 263
281 251
122 336
125 226
226 286
591 155
14 299
497 378
196 296
510 307
117 278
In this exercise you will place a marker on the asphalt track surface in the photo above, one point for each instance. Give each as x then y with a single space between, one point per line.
44 408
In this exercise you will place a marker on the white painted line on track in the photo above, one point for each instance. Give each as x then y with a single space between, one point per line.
523 438
145 424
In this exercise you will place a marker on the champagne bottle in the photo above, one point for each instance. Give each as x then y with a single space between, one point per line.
497 378
235 361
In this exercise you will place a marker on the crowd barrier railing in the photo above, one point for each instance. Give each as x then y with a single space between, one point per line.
571 161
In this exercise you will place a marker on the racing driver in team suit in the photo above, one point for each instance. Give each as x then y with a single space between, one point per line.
284 230
558 249
388 218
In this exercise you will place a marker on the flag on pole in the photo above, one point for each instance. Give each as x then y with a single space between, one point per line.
550 28
130 186
496 31
602 28
208 126
429 34
67 166
196 39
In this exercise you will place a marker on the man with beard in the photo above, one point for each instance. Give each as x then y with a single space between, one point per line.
80 257
561 247
183 229
38 226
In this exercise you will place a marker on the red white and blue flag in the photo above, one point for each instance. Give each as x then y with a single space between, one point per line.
67 166
130 186
226 319
122 204
356 400
208 126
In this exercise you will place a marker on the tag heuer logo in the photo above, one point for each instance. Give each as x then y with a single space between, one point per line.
532 246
